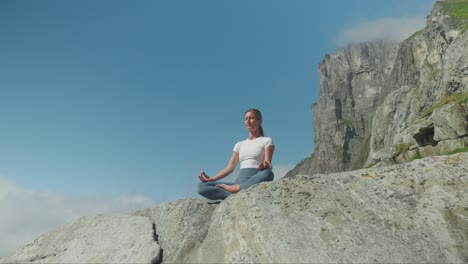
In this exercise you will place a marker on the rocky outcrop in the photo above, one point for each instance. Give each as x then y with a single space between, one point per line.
377 99
427 112
181 227
443 131
408 213
99 239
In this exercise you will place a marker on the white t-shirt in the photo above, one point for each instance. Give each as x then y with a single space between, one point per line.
252 151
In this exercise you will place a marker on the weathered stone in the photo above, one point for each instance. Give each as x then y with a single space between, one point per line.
429 151
407 156
449 145
382 215
181 227
449 122
99 239
408 213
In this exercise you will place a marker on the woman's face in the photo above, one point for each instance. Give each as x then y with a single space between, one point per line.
251 121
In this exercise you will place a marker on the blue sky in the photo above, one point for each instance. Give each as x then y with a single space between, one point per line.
124 103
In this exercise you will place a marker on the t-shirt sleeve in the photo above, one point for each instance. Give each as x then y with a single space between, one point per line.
269 142
236 147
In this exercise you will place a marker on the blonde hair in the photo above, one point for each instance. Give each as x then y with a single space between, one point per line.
258 116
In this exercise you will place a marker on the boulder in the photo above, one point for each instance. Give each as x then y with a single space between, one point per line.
449 122
181 227
408 213
99 239
449 145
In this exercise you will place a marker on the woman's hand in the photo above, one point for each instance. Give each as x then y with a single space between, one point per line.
265 165
205 178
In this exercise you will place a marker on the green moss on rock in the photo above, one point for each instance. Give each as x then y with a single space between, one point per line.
457 8
452 98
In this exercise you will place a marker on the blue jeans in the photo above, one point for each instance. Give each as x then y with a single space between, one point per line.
246 178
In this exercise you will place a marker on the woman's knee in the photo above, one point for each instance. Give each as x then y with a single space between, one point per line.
268 175
201 187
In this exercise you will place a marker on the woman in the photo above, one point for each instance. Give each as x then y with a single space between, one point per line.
254 154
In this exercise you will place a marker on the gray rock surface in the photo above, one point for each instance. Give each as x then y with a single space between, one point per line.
415 212
99 239
408 213
181 227
449 122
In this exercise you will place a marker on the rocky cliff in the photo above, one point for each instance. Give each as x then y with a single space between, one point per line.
352 83
415 212
384 103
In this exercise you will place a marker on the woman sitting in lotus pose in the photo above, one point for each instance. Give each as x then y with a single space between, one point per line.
254 154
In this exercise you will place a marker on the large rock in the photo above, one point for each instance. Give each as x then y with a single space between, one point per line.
181 227
450 122
439 133
99 239
408 213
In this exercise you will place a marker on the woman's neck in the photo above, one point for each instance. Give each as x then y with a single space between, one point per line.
254 135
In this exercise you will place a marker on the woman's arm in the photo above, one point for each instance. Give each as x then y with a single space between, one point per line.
229 168
268 158
269 153
224 172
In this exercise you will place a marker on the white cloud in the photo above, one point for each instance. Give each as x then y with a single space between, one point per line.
394 29
281 170
27 214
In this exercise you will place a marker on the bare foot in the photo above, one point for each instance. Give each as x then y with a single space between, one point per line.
230 188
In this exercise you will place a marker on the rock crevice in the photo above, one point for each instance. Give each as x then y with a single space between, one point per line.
160 258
